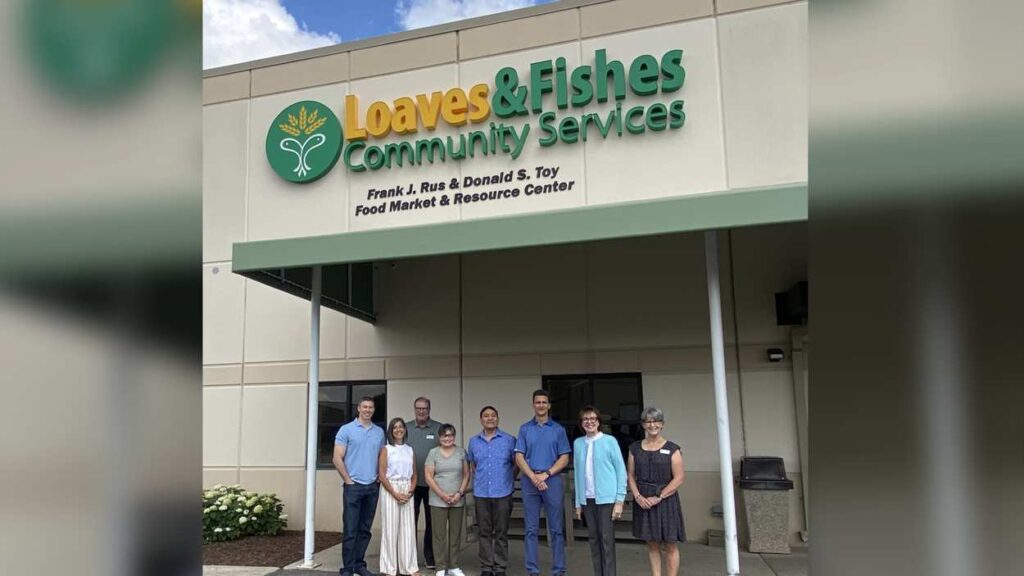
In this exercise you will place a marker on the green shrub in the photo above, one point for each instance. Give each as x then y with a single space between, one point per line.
230 512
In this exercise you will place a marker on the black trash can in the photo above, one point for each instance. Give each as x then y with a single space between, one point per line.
765 490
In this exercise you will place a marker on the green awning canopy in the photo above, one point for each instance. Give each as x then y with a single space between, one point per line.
347 259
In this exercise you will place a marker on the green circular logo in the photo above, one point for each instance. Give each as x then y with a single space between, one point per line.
304 141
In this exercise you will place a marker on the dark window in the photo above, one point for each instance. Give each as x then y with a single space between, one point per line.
338 401
619 397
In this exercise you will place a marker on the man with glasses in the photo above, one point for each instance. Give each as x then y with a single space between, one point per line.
422 437
542 453
491 457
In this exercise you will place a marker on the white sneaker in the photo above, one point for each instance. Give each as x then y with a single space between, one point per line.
455 572
440 573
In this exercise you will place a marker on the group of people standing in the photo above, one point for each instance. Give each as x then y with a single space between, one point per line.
417 462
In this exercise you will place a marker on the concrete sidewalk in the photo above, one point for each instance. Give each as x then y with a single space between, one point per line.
696 560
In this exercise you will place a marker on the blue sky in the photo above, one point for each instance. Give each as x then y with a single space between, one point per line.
243 30
352 20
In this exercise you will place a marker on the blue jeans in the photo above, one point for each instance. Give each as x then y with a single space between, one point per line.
551 499
357 519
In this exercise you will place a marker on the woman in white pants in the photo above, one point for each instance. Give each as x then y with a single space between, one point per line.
397 474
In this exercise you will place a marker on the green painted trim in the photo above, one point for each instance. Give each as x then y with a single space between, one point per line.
732 209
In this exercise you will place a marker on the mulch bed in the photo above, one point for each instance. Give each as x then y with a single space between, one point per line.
279 551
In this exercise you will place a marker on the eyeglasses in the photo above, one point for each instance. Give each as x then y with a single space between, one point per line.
422 407
590 419
653 422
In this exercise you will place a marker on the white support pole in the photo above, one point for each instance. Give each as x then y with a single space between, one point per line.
313 417
732 556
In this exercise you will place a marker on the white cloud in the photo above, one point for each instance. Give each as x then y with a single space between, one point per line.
422 13
243 30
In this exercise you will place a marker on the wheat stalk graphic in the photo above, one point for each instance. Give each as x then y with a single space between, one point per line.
305 124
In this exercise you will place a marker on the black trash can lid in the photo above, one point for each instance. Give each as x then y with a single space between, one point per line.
764 473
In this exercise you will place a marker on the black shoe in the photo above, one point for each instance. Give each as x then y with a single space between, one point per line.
499 574
365 572
487 573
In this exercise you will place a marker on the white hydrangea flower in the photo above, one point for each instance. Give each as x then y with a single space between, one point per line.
238 510
283 517
219 529
228 529
258 509
243 520
222 508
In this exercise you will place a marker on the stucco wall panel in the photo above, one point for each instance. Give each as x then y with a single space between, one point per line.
771 416
505 365
277 327
225 88
225 147
650 292
418 304
214 476
300 74
223 314
611 17
404 55
274 425
519 34
512 397
524 301
688 401
222 375
220 425
765 91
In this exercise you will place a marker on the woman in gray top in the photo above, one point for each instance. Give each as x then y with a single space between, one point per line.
447 474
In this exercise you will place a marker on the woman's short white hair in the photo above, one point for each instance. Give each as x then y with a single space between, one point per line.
652 413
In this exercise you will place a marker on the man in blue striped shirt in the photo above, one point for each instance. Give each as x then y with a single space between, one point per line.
491 457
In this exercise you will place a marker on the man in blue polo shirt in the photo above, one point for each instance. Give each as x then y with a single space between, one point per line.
356 449
491 457
542 453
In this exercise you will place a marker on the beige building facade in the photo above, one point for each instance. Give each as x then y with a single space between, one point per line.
482 302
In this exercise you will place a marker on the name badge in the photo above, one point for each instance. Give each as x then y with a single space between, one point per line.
663 451
430 436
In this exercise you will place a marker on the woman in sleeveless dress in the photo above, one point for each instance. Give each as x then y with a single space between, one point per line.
397 474
655 473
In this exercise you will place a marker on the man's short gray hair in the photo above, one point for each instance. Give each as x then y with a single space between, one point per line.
652 413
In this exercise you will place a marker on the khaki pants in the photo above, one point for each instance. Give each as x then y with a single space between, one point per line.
447 524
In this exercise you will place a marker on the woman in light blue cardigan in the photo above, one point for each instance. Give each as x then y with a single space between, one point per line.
600 478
